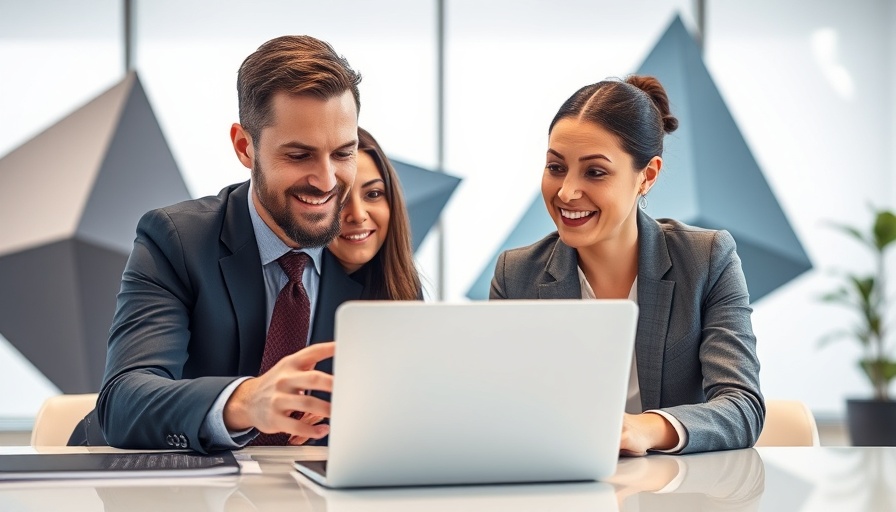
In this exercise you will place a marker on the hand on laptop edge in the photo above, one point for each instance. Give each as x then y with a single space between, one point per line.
308 419
646 431
267 402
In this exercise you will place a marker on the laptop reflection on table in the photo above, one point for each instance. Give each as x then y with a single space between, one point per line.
477 393
568 497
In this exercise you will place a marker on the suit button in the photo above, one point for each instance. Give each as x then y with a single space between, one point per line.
169 440
183 441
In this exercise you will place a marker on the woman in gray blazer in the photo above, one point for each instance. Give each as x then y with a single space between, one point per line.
695 376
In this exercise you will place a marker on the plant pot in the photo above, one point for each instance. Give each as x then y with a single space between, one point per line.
871 422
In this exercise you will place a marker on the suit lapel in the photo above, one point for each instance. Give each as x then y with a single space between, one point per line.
655 304
244 279
562 268
335 288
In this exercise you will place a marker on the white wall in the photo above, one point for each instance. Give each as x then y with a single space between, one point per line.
809 83
808 86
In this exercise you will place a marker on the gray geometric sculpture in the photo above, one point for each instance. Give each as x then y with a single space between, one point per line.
70 199
713 180
426 193
710 178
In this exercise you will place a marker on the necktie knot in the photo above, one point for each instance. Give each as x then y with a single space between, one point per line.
293 264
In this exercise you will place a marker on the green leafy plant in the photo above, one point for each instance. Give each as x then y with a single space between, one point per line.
866 294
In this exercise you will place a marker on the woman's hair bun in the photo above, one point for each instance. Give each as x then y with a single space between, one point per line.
657 94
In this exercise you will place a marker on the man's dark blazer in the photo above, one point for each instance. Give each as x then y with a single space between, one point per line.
191 318
695 348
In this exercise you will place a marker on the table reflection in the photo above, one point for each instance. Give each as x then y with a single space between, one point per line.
865 477
774 479
733 480
844 479
569 497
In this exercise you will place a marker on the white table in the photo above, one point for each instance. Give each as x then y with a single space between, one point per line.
764 479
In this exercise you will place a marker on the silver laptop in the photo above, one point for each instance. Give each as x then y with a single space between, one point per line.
478 392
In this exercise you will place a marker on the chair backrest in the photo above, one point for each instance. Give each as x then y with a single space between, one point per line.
58 417
788 423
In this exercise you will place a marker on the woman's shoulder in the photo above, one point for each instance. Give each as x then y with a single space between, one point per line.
539 250
678 233
694 247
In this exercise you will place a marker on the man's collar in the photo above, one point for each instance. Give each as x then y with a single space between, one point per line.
270 247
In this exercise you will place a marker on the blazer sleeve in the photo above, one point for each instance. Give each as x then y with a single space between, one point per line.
497 290
734 411
144 403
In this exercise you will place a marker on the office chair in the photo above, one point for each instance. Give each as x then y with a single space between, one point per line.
58 417
788 423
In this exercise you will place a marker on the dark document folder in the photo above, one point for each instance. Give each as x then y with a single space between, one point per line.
115 465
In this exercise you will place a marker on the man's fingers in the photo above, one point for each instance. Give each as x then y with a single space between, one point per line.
300 428
306 404
311 355
308 419
308 380
296 428
311 419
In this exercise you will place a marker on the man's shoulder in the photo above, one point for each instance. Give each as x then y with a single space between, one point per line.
197 220
208 204
204 209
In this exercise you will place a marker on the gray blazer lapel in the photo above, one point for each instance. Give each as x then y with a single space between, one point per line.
244 279
655 304
562 267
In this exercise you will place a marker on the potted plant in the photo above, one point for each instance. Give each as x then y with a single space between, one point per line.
871 422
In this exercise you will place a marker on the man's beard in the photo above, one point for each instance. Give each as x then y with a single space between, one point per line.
292 226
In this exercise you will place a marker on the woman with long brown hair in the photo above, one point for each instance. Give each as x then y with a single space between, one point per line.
374 245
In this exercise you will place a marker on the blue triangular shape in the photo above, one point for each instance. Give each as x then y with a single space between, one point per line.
710 178
426 194
535 225
711 174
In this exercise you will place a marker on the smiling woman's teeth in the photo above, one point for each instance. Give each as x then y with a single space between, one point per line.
574 215
358 236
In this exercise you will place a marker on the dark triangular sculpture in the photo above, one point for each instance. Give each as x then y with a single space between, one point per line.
97 171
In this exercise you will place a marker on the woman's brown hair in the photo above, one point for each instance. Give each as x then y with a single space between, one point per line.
635 110
391 274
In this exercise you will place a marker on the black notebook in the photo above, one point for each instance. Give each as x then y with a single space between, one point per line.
115 465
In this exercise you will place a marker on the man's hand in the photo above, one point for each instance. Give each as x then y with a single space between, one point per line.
309 419
646 431
268 401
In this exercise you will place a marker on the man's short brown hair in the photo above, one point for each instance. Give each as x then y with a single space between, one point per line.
294 64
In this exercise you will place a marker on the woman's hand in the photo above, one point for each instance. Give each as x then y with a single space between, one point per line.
646 431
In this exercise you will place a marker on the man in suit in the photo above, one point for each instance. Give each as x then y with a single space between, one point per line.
185 358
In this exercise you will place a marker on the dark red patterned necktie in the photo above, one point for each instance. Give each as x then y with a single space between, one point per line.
288 332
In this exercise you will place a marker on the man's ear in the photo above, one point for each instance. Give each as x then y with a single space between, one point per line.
242 145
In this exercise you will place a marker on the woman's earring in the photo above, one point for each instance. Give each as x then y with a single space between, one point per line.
642 202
